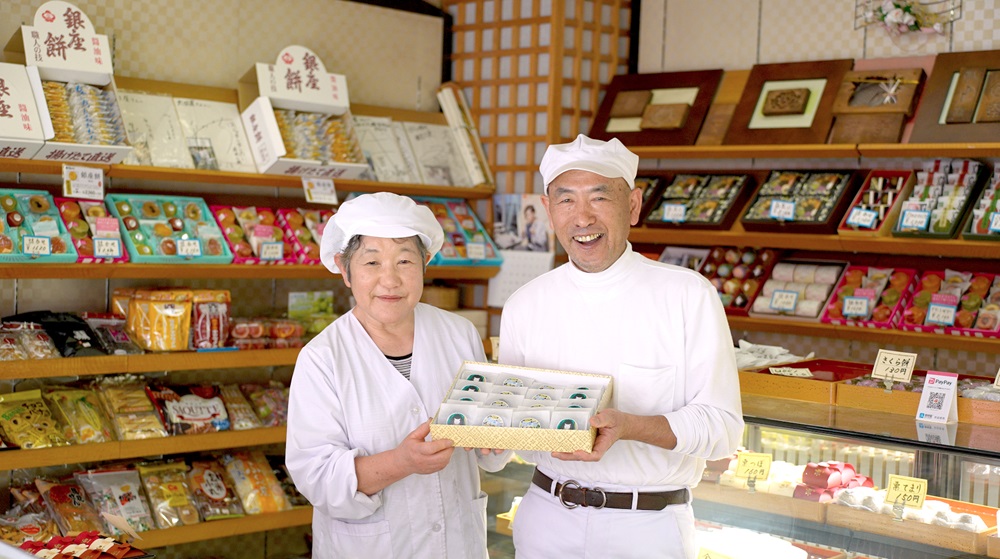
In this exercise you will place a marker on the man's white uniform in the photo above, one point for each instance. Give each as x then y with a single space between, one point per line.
368 407
660 330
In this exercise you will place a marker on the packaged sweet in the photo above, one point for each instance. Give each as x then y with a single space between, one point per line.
81 414
117 492
111 333
295 498
210 318
241 415
213 494
270 401
131 411
18 526
189 409
119 301
168 492
160 320
71 335
69 507
32 338
26 422
255 482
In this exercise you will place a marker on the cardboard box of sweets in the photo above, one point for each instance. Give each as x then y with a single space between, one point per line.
738 273
876 207
814 202
957 303
698 201
798 289
520 408
887 290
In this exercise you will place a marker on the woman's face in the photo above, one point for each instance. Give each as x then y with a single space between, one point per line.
387 279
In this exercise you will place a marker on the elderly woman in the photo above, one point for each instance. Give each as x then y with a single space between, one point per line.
363 391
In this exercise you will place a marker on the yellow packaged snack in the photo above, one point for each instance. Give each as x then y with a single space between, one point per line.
160 320
169 495
255 482
81 415
26 422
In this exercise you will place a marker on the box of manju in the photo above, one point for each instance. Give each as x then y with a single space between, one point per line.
519 408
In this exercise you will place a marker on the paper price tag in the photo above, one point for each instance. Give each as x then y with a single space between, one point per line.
782 210
894 365
910 491
106 226
320 191
36 245
996 381
189 248
915 219
861 217
783 300
791 372
708 554
938 400
272 251
107 248
753 464
476 251
674 213
995 222
855 306
941 314
83 182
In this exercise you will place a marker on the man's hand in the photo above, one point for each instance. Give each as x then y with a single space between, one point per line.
611 425
417 456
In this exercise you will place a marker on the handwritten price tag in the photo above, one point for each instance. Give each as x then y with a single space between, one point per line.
894 365
940 314
996 381
320 191
910 491
915 219
753 464
107 248
272 251
861 217
995 222
782 210
83 182
36 245
791 372
674 213
709 554
189 248
783 300
856 306
476 251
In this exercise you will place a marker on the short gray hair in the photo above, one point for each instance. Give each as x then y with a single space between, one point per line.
355 243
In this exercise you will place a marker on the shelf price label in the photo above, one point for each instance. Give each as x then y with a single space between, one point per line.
783 300
36 245
861 217
83 182
674 213
782 210
272 251
320 191
915 219
709 554
753 465
910 491
943 315
791 372
995 222
476 251
107 248
189 248
894 365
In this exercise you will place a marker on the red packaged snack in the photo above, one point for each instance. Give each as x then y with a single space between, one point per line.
189 409
210 318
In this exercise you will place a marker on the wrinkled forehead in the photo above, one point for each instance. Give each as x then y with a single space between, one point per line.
368 243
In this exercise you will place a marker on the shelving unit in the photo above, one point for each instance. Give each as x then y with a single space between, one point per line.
299 516
212 271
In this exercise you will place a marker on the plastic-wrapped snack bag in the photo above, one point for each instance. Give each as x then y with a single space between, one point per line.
189 409
25 421
117 492
69 507
169 496
81 414
241 415
131 411
18 526
213 493
255 482
295 498
270 401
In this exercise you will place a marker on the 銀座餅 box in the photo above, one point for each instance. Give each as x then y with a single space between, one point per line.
520 408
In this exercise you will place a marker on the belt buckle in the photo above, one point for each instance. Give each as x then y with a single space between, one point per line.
604 497
576 484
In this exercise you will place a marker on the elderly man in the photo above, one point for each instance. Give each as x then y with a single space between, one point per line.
660 330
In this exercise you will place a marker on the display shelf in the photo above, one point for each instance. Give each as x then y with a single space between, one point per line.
40 167
117 450
211 271
791 151
145 363
990 149
215 529
927 534
760 501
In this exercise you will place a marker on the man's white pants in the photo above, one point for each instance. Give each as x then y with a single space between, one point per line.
544 528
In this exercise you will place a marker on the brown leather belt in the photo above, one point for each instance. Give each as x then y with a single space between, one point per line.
572 495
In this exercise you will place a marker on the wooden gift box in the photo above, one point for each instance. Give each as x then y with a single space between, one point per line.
982 177
838 205
731 204
916 531
978 229
763 260
516 438
896 314
828 376
889 221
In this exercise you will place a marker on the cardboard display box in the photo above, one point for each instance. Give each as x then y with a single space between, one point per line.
828 378
21 131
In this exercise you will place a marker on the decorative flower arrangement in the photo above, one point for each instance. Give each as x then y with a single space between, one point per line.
904 16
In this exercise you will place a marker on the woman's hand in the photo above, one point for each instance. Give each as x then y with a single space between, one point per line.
418 456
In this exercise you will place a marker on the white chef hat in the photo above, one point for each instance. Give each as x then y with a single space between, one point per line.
609 159
382 214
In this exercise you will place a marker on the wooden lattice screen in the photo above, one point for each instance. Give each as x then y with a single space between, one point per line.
533 72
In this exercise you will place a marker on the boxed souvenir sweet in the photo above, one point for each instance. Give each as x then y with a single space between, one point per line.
303 229
21 134
153 129
813 380
799 202
738 273
957 303
697 201
80 114
298 120
89 543
254 236
96 235
875 208
31 230
984 222
871 297
941 198
164 229
466 242
798 289
502 406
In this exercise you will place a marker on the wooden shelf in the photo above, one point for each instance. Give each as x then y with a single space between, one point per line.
991 149
747 152
211 271
214 529
896 337
145 363
118 450
41 167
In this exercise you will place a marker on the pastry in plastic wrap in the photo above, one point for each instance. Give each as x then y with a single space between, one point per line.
17 526
255 482
69 507
189 409
117 492
210 318
131 411
111 333
160 320
213 494
26 422
270 401
169 496
81 414
241 414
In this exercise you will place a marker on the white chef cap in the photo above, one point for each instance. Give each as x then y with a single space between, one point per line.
382 214
609 159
